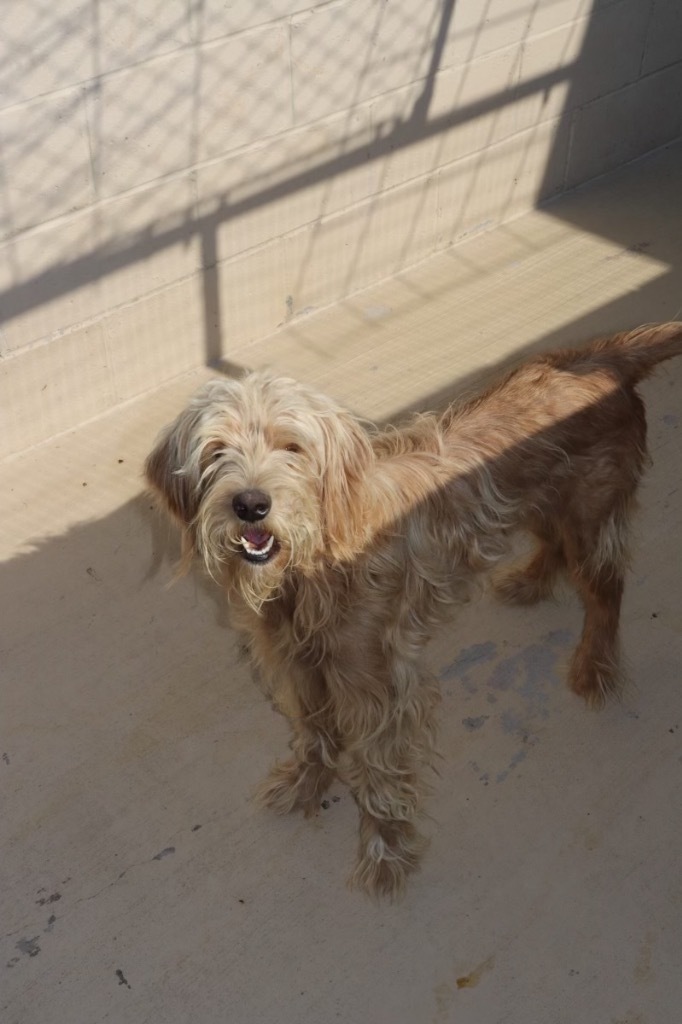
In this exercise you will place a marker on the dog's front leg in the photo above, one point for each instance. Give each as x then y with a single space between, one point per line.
385 724
299 782
390 845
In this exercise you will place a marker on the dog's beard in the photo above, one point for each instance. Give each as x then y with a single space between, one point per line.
252 560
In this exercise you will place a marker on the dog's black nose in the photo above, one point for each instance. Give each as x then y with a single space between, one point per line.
251 505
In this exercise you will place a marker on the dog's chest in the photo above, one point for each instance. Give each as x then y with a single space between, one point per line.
300 620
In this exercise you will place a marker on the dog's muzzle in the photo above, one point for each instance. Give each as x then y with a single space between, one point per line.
258 544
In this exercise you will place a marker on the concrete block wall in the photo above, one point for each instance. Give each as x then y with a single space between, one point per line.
178 178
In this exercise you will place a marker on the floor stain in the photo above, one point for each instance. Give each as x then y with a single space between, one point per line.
443 994
467 659
472 979
29 947
168 852
591 839
514 762
45 900
475 723
644 971
524 681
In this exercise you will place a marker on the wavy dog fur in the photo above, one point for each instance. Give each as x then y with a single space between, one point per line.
341 547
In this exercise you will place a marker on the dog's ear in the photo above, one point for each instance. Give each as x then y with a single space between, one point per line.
348 458
170 470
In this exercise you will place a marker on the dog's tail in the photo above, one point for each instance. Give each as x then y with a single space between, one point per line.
637 353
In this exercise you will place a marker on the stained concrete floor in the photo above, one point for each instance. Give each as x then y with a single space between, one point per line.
139 883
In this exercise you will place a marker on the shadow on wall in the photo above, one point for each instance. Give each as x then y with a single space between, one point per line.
291 160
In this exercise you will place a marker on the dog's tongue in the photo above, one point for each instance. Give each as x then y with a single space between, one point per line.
258 538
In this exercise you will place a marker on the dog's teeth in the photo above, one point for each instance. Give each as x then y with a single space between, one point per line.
256 549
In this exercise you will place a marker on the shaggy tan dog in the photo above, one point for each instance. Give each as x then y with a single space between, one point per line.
341 548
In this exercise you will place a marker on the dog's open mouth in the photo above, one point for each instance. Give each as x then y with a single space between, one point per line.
258 545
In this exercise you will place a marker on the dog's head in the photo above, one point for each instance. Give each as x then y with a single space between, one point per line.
264 477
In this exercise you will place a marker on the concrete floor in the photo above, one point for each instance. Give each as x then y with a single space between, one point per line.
139 884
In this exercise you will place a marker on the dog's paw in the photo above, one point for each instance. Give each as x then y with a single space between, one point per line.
596 682
292 786
382 879
383 868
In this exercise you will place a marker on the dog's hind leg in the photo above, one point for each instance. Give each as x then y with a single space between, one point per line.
597 570
533 580
299 782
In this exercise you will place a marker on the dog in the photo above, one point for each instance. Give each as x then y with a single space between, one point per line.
341 547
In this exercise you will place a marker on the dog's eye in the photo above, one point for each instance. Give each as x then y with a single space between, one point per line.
294 448
211 453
